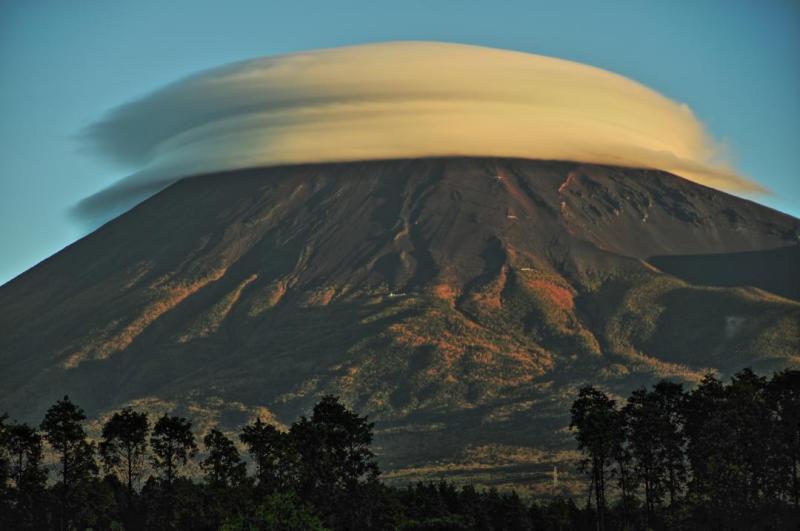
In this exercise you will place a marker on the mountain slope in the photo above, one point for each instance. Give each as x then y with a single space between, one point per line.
459 302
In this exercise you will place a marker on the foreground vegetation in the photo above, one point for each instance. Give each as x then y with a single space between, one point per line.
723 456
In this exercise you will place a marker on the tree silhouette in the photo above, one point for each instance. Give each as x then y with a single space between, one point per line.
23 486
5 469
783 399
642 418
670 402
25 450
273 453
124 445
626 470
279 511
63 429
225 474
335 459
223 466
737 443
598 431
654 431
730 434
172 442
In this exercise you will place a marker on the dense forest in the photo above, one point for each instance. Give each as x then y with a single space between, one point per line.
720 456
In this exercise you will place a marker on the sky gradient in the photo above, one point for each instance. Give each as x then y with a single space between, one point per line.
735 63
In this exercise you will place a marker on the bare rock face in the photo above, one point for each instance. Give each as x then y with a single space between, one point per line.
459 302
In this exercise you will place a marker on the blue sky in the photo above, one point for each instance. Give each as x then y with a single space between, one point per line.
736 63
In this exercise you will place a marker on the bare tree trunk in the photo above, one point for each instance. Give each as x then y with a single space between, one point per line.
623 486
65 483
795 482
600 494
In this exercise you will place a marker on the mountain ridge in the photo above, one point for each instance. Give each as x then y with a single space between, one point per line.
458 301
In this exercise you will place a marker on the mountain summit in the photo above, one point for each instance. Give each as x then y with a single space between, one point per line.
459 302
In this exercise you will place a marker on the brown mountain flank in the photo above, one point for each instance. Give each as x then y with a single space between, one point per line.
459 302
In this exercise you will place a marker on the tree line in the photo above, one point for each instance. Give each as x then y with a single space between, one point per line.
319 474
721 456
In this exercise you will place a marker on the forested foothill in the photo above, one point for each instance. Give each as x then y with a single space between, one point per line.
723 455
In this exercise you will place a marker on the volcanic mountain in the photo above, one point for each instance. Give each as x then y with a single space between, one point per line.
460 302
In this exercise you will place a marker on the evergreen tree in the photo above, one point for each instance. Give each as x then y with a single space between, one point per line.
729 431
179 505
171 501
223 466
274 455
5 473
755 432
708 433
63 429
559 514
124 446
507 512
738 442
280 511
626 471
670 400
336 462
598 431
654 431
642 418
783 400
24 446
172 443
225 476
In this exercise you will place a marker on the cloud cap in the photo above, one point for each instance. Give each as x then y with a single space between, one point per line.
401 100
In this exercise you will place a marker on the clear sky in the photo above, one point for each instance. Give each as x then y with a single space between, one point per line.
736 63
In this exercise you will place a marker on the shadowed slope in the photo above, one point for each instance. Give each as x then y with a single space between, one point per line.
459 302
773 270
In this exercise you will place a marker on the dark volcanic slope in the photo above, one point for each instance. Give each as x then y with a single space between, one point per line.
458 301
773 270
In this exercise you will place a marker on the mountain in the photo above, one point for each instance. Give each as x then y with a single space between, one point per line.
460 302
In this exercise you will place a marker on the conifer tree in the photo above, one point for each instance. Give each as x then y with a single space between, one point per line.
336 463
124 445
223 466
598 430
63 430
783 399
273 453
172 443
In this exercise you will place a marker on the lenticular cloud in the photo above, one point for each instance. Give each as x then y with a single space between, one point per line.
400 100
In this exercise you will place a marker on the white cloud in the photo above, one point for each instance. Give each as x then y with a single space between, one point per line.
400 100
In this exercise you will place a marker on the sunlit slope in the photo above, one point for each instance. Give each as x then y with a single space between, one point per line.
458 302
